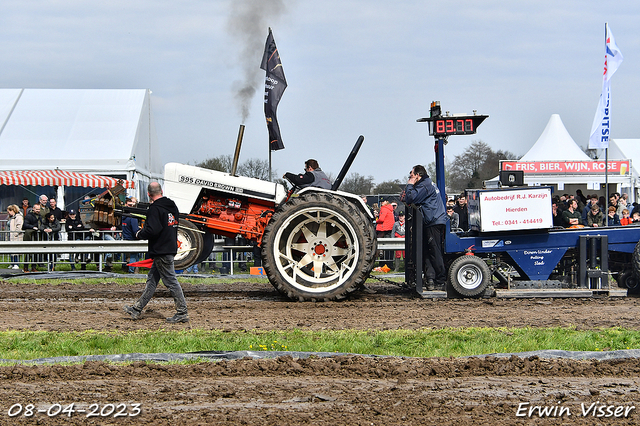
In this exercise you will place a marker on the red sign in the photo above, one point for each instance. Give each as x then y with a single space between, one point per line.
594 167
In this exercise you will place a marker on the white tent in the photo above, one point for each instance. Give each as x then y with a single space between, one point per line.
556 160
555 143
104 132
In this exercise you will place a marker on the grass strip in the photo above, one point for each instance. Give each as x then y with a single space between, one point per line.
25 345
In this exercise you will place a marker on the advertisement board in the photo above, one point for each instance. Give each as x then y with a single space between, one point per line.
594 167
510 209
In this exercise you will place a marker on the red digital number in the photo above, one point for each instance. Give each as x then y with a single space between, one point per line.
459 126
449 127
439 127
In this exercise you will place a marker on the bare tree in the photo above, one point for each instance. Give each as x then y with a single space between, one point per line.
476 164
389 187
221 163
357 184
255 168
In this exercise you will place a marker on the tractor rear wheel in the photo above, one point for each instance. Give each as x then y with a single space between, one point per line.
190 245
318 246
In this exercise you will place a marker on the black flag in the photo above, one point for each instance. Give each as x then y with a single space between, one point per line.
274 86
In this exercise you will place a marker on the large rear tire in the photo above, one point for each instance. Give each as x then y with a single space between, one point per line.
469 275
190 245
318 246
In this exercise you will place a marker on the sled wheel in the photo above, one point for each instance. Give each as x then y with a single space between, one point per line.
318 247
629 280
469 276
190 245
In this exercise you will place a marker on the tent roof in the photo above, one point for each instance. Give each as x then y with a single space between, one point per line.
84 130
555 144
59 178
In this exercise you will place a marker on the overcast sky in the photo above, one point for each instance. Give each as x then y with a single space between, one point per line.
354 67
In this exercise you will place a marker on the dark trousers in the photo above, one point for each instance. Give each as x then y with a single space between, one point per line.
432 238
162 269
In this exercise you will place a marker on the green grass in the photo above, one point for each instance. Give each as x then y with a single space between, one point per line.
26 345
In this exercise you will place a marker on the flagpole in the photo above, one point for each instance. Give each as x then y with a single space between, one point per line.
270 180
606 155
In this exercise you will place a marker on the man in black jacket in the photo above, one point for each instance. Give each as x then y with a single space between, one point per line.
31 229
463 212
161 229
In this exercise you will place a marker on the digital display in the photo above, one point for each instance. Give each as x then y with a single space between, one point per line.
454 126
442 126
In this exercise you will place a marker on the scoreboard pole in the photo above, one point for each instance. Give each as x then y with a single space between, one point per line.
439 151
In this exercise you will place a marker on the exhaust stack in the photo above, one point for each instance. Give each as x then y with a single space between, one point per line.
236 154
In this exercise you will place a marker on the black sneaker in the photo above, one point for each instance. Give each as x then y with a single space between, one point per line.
135 314
178 318
430 285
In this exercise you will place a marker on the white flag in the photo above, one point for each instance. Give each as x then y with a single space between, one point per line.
600 130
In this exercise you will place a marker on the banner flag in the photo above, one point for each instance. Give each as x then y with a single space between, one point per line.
600 130
274 86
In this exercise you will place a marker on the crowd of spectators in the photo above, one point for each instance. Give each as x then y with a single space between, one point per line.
594 211
45 221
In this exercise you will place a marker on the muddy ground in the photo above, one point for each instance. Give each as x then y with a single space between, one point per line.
352 390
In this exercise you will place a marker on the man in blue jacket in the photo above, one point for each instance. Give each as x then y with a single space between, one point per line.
423 193
161 229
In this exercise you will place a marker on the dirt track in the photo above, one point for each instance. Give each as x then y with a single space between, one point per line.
344 390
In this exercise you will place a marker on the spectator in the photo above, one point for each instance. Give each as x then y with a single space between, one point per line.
130 228
625 219
398 231
16 221
463 212
385 220
364 200
394 205
53 208
622 204
557 214
602 202
580 204
31 229
595 217
593 199
25 207
384 225
75 231
571 216
44 208
635 217
50 228
612 217
580 196
453 217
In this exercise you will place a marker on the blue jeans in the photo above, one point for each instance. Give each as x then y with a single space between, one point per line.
162 268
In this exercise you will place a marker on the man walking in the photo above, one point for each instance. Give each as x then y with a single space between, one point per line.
422 192
161 229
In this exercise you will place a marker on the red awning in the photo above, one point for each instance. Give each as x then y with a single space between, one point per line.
59 178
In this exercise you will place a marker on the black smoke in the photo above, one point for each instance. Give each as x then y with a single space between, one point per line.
249 22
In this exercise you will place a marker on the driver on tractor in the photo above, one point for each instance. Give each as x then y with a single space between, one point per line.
313 176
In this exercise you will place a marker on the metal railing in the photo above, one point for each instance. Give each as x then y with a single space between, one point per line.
102 248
